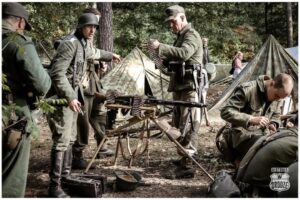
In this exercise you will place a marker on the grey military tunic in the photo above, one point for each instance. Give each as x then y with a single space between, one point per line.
248 100
187 48
25 73
93 108
67 70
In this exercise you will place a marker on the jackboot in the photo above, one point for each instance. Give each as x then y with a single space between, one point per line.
55 189
79 162
104 151
67 164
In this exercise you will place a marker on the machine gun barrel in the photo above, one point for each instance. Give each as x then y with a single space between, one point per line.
174 103
129 100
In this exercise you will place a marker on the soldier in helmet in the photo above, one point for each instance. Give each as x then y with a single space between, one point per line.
94 112
26 79
68 67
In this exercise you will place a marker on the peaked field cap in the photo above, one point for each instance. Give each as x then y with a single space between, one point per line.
173 11
17 10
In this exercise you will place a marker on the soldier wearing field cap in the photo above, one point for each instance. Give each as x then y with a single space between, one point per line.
184 59
27 80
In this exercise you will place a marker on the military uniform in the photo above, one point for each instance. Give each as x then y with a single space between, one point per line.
67 69
25 75
94 112
186 48
63 121
256 167
248 100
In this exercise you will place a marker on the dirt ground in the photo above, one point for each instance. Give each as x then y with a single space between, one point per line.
161 152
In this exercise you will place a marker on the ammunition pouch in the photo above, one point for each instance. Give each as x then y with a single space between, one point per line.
12 134
185 71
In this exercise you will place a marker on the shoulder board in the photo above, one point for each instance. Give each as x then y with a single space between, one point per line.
70 38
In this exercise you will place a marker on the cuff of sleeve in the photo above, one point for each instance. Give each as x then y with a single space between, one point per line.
248 121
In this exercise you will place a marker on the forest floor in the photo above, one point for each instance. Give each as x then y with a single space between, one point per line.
161 152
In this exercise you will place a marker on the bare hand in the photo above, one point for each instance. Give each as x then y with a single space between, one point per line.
259 120
116 58
155 44
75 105
272 129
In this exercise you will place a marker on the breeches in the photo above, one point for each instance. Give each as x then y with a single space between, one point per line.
63 127
181 116
94 115
15 169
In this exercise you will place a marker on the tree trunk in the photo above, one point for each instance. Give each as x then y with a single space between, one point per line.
106 23
266 19
289 24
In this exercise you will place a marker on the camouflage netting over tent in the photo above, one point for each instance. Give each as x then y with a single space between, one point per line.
136 75
271 60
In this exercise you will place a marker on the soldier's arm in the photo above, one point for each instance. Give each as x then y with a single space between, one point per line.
183 53
275 112
99 54
231 112
61 63
34 73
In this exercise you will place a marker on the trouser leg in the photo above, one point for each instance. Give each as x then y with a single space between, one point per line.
60 123
98 122
82 125
15 168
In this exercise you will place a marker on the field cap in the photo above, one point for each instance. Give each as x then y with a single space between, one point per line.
17 10
173 11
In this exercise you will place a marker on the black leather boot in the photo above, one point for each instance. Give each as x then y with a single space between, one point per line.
55 189
78 161
104 151
67 164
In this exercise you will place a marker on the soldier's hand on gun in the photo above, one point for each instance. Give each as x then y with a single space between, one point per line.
75 106
116 58
259 120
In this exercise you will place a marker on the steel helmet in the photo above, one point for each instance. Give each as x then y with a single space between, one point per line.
87 19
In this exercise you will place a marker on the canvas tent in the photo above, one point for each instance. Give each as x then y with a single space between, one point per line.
293 51
136 75
270 60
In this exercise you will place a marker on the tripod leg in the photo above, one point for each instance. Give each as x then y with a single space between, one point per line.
93 159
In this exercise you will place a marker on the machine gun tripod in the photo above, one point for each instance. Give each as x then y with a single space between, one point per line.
145 110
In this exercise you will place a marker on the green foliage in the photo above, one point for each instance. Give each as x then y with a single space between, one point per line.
49 105
51 21
5 87
230 26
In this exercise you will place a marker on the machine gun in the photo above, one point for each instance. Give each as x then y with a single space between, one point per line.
139 103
